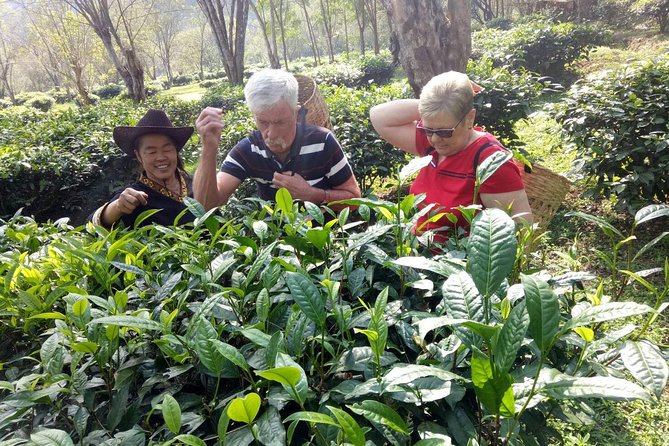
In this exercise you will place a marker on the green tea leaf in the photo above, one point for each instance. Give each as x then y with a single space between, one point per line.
606 312
594 387
510 338
244 410
380 413
307 296
651 212
51 437
646 363
491 249
311 417
171 413
284 201
129 321
289 376
352 430
544 311
270 428
190 440
230 353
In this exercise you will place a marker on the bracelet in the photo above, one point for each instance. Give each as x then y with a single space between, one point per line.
325 196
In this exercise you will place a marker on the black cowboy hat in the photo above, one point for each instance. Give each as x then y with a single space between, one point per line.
153 122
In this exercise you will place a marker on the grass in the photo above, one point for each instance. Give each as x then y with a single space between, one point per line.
190 92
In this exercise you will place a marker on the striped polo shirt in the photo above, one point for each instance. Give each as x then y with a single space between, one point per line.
320 160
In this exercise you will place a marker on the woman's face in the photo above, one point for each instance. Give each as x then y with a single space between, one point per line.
461 134
158 156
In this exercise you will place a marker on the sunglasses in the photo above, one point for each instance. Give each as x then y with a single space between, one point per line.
442 133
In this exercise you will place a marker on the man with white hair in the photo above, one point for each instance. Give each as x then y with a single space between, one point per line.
306 160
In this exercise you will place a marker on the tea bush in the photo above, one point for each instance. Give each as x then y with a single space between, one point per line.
354 71
182 79
109 91
371 158
42 102
506 97
238 330
538 46
617 122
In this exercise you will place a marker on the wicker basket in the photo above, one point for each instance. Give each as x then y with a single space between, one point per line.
545 191
309 97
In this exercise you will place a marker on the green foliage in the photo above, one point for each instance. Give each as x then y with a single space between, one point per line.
539 46
657 9
182 79
371 158
42 102
222 94
109 91
506 98
617 122
241 329
354 70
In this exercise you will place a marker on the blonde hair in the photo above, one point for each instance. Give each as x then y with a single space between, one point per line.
446 93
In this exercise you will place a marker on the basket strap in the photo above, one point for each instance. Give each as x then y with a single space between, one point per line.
528 169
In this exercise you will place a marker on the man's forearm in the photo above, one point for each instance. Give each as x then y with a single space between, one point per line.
205 187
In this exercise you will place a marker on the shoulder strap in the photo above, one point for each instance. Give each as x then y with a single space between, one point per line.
527 168
481 149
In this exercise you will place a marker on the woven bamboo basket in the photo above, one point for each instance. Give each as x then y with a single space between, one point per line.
545 191
310 98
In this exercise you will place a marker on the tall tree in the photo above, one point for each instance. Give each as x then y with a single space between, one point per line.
228 19
361 19
430 40
261 9
304 5
64 44
117 27
280 13
327 14
372 10
167 24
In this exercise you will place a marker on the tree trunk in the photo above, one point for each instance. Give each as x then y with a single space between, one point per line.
372 12
271 49
360 16
312 34
229 36
429 40
327 25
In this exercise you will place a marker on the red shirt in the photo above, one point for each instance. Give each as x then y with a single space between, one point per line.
451 183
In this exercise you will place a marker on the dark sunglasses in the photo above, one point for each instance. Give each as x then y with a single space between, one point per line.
442 133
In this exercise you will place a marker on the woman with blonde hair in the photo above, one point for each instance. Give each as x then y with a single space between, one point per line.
441 124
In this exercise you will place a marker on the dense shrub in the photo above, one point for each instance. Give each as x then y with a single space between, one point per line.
4 103
182 79
109 91
153 88
209 83
223 95
42 102
371 158
53 142
506 98
618 124
354 70
542 47
62 95
236 330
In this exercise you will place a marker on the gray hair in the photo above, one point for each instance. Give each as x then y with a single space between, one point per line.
449 92
267 87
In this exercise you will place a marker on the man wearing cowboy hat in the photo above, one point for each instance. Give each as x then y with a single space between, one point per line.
306 160
156 144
